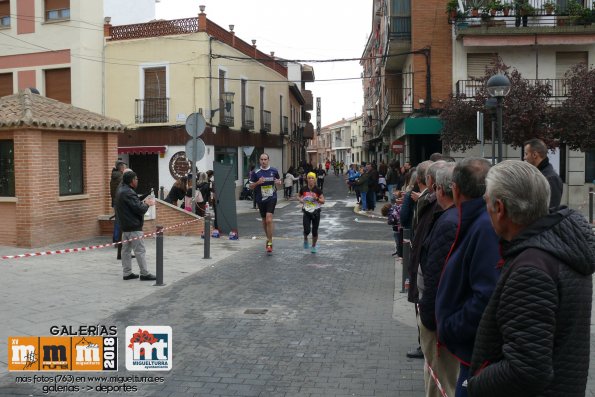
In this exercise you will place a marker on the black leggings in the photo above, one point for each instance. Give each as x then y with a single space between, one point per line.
311 218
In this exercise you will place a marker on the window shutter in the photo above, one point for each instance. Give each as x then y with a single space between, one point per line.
565 60
155 85
4 8
476 64
5 84
57 84
56 5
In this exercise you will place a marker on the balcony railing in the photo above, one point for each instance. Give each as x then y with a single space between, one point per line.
248 118
226 117
265 121
151 110
537 14
285 125
400 28
469 88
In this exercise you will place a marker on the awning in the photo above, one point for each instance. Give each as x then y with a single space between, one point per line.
423 126
141 149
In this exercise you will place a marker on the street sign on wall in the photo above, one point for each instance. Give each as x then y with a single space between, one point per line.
397 147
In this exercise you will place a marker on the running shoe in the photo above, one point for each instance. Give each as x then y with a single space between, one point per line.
269 247
313 250
306 245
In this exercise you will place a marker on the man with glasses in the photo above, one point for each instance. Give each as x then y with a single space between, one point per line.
130 212
264 182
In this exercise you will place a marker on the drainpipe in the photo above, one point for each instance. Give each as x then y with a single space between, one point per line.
210 80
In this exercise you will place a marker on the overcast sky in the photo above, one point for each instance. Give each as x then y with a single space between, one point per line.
306 29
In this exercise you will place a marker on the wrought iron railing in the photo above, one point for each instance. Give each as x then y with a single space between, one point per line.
265 121
152 110
248 118
469 88
285 125
153 29
226 117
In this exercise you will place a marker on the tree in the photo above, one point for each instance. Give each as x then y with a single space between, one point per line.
526 112
574 121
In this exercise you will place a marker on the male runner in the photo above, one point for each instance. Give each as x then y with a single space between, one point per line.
264 182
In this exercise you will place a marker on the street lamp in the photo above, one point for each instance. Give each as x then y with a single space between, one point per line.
491 105
498 87
227 102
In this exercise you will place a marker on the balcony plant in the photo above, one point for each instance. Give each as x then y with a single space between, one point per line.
495 6
579 15
452 8
475 6
506 9
549 7
524 8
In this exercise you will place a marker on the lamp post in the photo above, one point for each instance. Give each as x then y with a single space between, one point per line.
302 141
491 105
224 103
498 87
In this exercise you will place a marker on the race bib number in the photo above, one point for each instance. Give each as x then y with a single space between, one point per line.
309 204
266 191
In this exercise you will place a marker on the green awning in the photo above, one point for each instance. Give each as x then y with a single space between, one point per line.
423 126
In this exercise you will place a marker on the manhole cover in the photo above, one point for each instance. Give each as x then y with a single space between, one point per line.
256 311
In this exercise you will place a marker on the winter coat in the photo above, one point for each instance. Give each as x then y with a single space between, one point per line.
433 254
130 211
114 182
468 280
407 211
556 184
426 206
362 182
533 339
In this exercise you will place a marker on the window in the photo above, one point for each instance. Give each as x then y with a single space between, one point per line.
56 10
477 63
7 168
155 102
5 84
57 84
4 13
70 157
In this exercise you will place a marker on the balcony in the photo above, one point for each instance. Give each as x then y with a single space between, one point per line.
309 100
265 121
248 118
151 110
536 18
467 89
226 116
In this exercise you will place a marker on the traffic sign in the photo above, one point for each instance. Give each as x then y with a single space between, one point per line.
195 125
397 147
200 151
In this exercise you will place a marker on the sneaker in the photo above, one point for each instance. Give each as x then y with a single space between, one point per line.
313 250
416 353
147 277
269 247
306 245
131 276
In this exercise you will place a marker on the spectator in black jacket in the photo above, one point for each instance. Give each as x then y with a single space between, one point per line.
130 212
433 254
533 338
536 154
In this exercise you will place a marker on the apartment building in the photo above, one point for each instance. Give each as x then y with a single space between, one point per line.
407 76
178 67
55 46
542 46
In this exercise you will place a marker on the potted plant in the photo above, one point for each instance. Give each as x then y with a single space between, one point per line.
525 9
549 7
506 9
475 6
495 6
452 8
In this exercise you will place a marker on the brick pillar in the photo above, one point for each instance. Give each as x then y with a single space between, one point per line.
107 30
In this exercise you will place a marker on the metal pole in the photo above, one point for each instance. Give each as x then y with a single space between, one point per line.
591 193
493 140
499 116
406 257
207 232
159 257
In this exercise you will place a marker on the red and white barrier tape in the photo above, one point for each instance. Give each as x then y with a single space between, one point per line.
436 380
92 247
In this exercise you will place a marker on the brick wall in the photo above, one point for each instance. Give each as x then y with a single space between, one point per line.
41 216
429 24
